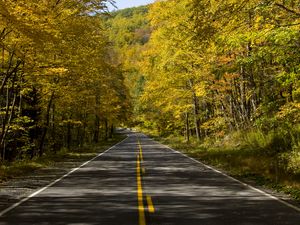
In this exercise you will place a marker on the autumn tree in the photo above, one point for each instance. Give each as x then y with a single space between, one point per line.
55 57
232 65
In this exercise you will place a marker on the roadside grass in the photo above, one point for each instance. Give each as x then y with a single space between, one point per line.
49 159
249 157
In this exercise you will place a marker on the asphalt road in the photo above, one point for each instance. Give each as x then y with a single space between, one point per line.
140 182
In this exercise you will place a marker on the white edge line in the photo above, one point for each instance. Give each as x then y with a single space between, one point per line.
231 178
3 212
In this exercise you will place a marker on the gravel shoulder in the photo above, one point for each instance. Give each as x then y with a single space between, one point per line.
17 188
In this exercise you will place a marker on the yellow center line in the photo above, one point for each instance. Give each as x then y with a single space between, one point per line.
140 171
141 208
150 205
141 151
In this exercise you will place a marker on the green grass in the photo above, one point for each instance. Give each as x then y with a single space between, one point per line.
20 168
249 157
80 154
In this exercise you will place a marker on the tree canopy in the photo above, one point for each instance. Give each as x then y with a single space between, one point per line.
224 66
59 84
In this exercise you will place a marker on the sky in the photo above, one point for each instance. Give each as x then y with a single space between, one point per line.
122 4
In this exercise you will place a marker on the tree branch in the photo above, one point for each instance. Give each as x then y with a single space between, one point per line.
287 9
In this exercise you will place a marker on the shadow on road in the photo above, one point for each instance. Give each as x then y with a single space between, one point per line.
183 193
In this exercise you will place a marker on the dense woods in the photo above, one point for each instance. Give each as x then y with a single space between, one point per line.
219 73
59 84
218 67
216 73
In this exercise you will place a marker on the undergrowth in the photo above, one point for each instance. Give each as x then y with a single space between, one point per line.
271 160
23 167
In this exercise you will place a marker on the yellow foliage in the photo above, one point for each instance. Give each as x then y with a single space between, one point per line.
201 89
289 112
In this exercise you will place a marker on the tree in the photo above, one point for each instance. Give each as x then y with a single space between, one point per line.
55 56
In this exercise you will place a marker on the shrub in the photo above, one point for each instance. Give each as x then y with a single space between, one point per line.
294 160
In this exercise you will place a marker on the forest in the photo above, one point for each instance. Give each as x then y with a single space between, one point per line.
216 79
59 86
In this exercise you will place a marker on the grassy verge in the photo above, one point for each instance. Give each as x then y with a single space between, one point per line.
243 162
49 159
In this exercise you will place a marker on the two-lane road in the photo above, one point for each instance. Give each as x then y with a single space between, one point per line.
141 182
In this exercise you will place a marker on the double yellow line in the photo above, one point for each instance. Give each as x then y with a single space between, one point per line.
139 173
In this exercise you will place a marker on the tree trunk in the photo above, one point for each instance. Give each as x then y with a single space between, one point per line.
69 135
196 111
187 127
96 129
97 120
106 129
196 117
46 125
111 131
6 128
84 139
53 131
9 73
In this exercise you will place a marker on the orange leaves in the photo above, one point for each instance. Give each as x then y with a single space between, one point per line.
289 112
231 76
225 59
221 86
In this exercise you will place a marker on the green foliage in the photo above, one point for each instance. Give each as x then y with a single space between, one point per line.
243 155
129 31
294 160
18 169
272 144
129 27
